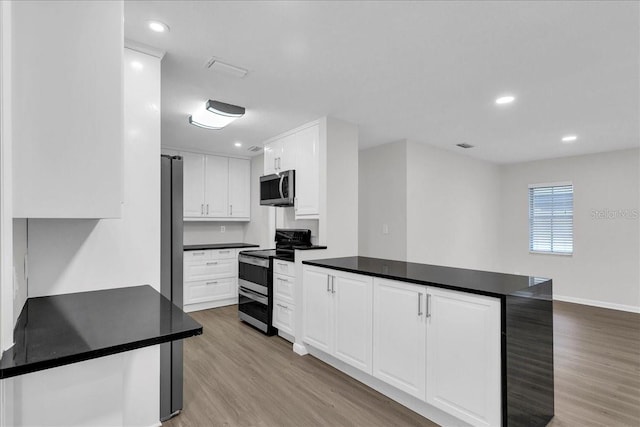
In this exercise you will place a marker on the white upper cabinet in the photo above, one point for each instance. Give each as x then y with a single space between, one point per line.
463 356
298 150
399 340
308 173
67 109
193 176
239 188
216 188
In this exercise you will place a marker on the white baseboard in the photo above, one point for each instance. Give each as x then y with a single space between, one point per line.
601 304
188 308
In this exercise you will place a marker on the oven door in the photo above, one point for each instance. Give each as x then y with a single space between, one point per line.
253 308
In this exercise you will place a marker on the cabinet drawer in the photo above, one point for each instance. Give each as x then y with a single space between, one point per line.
284 288
284 316
284 267
196 255
209 290
212 269
223 253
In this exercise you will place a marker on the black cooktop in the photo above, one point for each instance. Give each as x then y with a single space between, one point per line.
283 254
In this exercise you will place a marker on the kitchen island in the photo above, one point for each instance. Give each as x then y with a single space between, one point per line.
474 345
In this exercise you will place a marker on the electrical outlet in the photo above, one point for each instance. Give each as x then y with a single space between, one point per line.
223 229
385 229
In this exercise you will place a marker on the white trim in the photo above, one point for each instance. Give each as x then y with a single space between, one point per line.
189 308
601 304
551 184
144 48
550 253
292 131
300 349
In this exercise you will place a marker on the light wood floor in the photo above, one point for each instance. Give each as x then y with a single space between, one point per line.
235 376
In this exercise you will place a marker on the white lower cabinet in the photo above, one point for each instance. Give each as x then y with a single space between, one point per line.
440 346
399 336
463 356
337 315
210 278
284 297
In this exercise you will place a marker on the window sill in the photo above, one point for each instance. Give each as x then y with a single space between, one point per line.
550 253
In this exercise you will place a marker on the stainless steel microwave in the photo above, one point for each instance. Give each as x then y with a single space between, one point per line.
278 189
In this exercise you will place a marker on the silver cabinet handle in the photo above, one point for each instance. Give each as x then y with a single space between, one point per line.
202 209
428 305
333 284
211 283
281 264
295 204
223 252
230 209
197 253
419 304
283 280
207 208
328 285
283 306
213 263
275 163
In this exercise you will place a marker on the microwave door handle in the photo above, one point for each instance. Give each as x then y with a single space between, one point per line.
281 183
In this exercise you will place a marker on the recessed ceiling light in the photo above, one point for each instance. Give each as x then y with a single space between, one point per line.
238 144
569 138
136 65
507 99
158 27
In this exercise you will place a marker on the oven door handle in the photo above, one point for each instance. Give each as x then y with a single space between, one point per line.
253 295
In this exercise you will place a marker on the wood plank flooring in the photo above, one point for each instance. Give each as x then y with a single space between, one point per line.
235 376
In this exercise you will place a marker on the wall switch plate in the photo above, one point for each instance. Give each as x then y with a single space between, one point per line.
223 229
385 229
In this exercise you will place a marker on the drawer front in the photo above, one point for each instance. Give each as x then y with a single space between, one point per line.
212 269
284 288
284 267
197 255
284 316
209 290
223 253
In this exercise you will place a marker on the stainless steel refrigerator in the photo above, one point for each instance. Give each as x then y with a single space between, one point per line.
171 218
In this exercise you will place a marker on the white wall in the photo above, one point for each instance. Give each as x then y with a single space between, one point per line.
452 209
81 255
19 266
259 229
604 268
202 232
383 201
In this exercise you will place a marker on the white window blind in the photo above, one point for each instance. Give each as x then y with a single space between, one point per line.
551 218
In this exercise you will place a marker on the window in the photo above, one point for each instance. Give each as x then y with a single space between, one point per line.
551 218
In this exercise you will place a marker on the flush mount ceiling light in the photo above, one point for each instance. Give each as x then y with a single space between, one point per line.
216 115
158 27
569 138
506 99
238 144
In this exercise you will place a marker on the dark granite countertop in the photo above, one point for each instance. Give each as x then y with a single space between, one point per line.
219 246
309 248
474 281
63 329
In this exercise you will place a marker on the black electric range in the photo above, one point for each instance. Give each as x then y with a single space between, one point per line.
255 277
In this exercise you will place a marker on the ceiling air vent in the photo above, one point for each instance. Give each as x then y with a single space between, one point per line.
464 145
254 148
214 64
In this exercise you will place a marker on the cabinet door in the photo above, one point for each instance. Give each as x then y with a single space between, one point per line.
193 184
352 298
284 316
463 356
239 188
272 154
216 186
209 290
317 309
211 269
287 157
308 173
399 335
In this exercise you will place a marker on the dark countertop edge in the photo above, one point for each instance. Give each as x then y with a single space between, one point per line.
309 248
415 281
93 354
219 246
282 258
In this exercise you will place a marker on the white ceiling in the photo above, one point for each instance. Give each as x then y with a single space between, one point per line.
423 71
